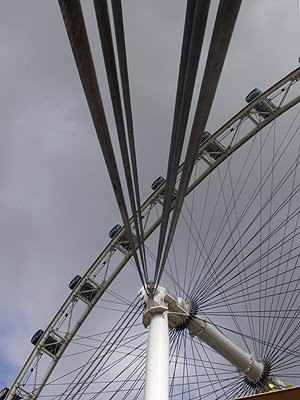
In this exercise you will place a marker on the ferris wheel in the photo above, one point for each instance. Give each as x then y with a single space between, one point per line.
230 286
239 272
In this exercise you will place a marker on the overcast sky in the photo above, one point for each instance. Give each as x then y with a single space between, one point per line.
56 203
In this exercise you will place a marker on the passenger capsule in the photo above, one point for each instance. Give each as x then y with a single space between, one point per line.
51 344
4 393
212 149
157 183
261 108
123 241
88 291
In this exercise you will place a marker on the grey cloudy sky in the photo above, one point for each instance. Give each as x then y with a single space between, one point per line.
56 203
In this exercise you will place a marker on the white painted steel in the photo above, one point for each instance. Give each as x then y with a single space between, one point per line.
216 340
157 365
109 270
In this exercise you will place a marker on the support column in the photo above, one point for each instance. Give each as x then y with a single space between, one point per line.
157 366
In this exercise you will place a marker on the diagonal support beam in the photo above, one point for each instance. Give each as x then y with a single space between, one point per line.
75 26
224 25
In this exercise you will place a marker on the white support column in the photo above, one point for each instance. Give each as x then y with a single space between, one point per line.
157 366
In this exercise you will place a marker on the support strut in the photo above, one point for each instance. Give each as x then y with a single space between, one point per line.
243 361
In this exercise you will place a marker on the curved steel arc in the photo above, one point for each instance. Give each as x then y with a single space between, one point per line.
102 273
231 150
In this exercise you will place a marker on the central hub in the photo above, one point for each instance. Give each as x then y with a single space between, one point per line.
161 300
